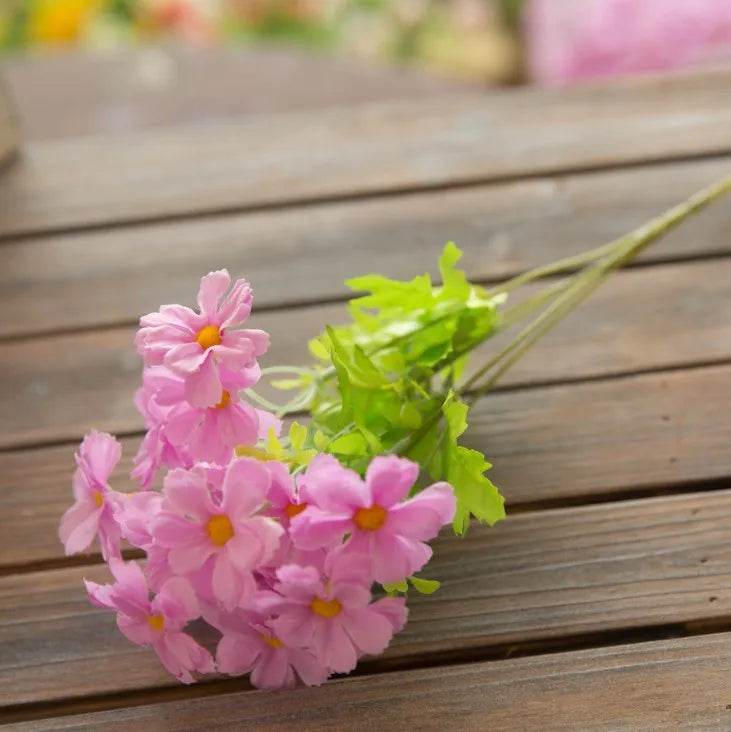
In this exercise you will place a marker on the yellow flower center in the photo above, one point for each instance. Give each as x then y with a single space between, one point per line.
156 622
220 529
98 499
208 336
270 641
292 509
325 608
225 400
370 519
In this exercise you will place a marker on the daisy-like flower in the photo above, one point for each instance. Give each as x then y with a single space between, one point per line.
249 645
207 513
331 614
381 523
195 345
93 513
158 622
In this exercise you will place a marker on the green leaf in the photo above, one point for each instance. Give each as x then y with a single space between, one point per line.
352 444
400 586
297 435
424 586
455 281
321 440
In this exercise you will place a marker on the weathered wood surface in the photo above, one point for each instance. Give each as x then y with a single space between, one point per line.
57 387
622 407
188 170
304 254
86 93
573 442
679 684
571 572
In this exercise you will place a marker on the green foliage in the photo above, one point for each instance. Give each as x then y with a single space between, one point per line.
383 383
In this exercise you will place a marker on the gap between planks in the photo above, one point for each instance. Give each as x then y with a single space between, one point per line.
662 564
72 282
670 316
645 686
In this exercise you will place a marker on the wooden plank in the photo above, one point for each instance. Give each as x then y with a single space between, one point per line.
83 93
112 276
679 683
56 388
571 572
578 442
190 170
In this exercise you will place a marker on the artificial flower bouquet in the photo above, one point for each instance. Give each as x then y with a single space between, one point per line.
299 544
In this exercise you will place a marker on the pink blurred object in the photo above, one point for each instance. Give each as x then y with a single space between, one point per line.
575 40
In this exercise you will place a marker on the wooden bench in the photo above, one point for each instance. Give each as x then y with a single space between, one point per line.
604 600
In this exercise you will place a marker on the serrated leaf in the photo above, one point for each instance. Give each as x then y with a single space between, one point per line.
425 586
455 281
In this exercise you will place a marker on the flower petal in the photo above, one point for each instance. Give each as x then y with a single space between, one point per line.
212 289
390 479
79 526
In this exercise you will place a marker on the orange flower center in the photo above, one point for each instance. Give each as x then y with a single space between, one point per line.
220 529
270 641
98 499
325 608
225 400
208 336
156 622
292 509
370 519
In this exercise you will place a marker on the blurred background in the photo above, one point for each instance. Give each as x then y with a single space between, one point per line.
484 41
84 66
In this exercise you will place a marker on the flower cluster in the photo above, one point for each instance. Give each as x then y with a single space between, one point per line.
282 566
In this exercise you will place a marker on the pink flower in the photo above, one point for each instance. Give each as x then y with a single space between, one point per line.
332 615
207 513
95 502
158 622
135 514
575 40
248 645
381 524
195 345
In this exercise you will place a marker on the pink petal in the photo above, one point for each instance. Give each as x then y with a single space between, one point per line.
244 487
236 654
370 631
189 557
333 487
212 288
137 630
187 491
394 610
226 583
272 671
235 308
203 387
422 516
295 627
310 669
268 421
181 423
238 425
170 530
395 557
79 526
333 646
314 528
101 453
353 596
390 479
186 358
177 603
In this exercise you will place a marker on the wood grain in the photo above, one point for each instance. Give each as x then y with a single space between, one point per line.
184 171
82 93
574 442
633 564
56 388
679 683
301 255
